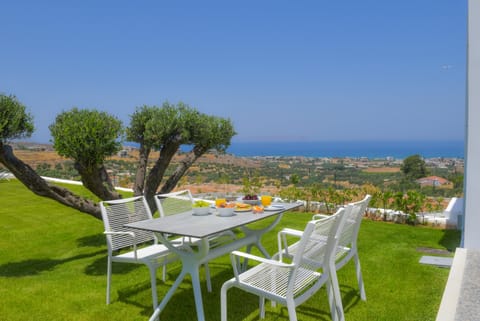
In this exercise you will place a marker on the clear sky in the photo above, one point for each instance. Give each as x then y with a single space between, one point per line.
280 70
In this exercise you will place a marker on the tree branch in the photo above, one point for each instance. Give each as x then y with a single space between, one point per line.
25 174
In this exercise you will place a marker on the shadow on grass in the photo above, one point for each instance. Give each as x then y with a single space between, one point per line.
350 297
99 267
96 240
451 239
31 267
182 304
241 305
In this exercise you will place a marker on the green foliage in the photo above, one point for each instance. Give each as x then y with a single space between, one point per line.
251 184
410 203
15 122
414 167
156 126
87 136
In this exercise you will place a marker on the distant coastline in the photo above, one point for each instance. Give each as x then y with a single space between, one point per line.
368 149
342 149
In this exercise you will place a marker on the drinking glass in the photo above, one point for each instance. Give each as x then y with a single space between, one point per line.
266 200
220 201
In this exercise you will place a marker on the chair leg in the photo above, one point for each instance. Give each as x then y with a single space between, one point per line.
261 306
109 277
292 314
361 287
331 302
337 298
153 284
207 276
223 298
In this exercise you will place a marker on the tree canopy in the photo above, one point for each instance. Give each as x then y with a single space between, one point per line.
15 122
414 167
89 137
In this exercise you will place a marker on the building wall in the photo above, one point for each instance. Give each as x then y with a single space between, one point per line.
471 235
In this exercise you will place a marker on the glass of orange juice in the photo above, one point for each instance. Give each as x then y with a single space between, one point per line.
266 200
220 201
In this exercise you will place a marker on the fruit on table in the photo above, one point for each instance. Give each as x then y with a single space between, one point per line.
250 198
242 206
227 205
201 204
258 209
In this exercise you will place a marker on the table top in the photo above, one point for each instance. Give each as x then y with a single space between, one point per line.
188 224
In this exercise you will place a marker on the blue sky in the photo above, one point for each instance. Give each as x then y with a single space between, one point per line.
280 70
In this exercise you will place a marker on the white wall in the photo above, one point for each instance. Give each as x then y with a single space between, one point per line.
471 235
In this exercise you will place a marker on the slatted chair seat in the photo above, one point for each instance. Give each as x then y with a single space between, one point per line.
272 280
292 282
149 253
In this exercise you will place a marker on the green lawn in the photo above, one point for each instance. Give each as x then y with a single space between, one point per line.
53 267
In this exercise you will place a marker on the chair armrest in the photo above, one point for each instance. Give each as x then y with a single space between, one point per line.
319 216
282 239
132 234
291 231
235 262
119 233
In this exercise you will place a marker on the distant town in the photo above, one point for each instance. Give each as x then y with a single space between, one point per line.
227 172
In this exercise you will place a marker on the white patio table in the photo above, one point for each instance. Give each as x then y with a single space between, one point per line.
188 224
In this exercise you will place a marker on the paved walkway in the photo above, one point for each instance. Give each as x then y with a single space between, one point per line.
461 299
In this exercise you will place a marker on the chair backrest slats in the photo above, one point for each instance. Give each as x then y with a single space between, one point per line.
319 240
174 203
117 213
353 221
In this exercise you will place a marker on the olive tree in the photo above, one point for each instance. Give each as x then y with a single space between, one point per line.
90 136
16 123
165 129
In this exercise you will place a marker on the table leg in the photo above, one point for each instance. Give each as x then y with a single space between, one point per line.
197 293
168 296
190 265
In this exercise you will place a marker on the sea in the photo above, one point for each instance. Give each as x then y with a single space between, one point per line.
356 149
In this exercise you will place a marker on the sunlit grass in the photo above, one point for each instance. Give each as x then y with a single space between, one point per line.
53 267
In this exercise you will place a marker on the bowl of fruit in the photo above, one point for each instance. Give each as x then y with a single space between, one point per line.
251 199
201 208
226 209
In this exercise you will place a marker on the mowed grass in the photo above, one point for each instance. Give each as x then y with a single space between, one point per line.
53 267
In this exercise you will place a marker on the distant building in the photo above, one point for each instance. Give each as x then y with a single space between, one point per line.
435 181
123 153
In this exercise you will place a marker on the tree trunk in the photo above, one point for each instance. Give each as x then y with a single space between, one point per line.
96 180
141 173
39 186
184 165
157 172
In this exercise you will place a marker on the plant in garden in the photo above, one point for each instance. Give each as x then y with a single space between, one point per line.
251 185
410 203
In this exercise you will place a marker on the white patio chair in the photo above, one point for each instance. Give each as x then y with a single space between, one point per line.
347 246
182 201
128 242
292 283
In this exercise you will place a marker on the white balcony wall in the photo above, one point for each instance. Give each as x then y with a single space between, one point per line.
471 235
